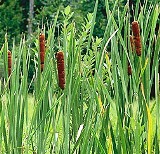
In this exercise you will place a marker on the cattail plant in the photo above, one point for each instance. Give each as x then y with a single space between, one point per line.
60 67
136 37
9 62
42 50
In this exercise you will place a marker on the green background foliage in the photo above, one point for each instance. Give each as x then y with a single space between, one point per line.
14 14
10 20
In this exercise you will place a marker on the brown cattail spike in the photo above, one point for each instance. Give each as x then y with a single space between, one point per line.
136 37
9 62
60 67
42 49
129 69
135 29
132 42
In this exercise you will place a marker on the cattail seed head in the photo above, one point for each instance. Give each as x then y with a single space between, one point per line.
135 29
138 46
41 37
61 69
129 69
42 50
42 66
132 42
136 37
42 54
9 62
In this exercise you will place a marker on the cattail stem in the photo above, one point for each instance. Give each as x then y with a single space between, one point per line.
61 70
42 50
136 37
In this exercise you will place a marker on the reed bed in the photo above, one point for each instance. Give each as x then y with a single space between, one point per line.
84 102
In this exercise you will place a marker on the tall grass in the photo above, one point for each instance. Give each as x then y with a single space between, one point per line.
102 109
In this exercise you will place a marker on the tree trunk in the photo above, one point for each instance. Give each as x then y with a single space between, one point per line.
25 9
31 13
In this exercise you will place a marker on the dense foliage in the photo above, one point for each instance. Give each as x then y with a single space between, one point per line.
15 14
10 20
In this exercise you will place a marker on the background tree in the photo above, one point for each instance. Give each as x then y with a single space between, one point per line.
25 9
31 15
10 20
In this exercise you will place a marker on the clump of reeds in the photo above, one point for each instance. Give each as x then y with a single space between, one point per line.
60 67
42 50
